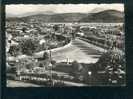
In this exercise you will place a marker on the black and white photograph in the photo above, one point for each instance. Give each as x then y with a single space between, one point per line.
65 45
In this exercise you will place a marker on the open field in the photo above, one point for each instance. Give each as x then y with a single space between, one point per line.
77 50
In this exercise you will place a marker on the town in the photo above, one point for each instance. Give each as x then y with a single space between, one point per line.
49 52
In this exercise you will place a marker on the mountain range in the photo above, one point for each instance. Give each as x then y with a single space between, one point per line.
104 16
99 16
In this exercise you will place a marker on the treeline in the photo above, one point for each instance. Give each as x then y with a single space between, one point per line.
103 43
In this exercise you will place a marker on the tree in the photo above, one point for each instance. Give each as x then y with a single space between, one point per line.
24 29
29 65
113 63
40 65
53 62
28 47
45 56
14 50
56 27
76 68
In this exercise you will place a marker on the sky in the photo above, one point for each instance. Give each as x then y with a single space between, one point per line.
19 9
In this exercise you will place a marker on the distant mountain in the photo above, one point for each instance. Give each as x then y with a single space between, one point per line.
16 19
36 13
97 9
104 16
68 17
8 15
65 17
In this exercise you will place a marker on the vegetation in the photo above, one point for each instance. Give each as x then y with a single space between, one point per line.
28 46
113 64
76 67
14 50
46 56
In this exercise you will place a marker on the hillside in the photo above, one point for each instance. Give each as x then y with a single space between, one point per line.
104 16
